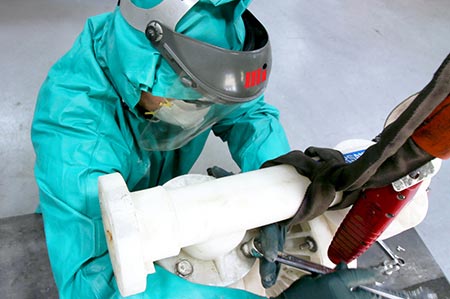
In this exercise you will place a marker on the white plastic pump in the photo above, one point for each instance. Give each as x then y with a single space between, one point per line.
206 219
146 226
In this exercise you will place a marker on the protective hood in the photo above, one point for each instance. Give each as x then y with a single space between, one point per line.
133 65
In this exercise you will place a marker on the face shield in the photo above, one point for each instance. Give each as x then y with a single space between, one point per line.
176 122
220 78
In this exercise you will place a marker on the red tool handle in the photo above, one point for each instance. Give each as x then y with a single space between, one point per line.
376 208
366 221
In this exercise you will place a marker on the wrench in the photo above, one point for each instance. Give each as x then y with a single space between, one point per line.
251 249
314 268
398 261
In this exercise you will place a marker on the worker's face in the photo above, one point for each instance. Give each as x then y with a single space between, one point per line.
172 123
150 102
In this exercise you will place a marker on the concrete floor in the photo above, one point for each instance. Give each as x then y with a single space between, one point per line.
339 68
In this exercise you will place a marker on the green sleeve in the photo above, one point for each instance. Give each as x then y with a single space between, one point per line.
78 134
254 134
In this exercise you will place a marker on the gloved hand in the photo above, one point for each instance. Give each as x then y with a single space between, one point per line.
318 164
218 172
341 284
394 155
328 172
271 239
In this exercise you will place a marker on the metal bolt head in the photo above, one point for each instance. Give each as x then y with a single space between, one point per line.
309 244
400 248
414 174
401 196
184 268
154 32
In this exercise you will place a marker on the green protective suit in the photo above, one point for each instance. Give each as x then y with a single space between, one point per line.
86 125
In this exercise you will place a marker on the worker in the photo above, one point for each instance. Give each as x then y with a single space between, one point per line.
120 101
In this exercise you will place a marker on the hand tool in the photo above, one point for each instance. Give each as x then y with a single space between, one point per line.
252 248
397 260
370 215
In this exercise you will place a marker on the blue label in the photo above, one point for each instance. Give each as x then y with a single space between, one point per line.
353 156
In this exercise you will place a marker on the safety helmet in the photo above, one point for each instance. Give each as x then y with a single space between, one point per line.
219 75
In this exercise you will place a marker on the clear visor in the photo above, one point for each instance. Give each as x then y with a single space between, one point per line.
211 81
176 122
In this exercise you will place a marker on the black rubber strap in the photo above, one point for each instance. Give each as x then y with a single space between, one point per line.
355 175
392 157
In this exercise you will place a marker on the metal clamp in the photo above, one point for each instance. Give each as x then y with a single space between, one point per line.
414 177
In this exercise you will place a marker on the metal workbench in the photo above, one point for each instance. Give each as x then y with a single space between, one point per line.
25 269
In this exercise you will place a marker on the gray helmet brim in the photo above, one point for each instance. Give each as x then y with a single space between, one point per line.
220 74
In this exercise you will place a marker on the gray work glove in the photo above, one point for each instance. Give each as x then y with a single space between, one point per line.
393 156
317 164
337 285
328 172
271 240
